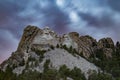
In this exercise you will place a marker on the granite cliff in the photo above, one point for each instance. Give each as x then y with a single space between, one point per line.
72 50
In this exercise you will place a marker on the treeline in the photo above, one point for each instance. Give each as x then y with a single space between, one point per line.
108 65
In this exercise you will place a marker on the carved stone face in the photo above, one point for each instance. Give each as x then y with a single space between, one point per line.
65 36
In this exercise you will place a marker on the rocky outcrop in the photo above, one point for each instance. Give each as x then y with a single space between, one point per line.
88 41
74 36
70 39
27 38
39 45
87 45
44 38
107 45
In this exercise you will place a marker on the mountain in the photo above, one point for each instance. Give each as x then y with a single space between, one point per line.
42 54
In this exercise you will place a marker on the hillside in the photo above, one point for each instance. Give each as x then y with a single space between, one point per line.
42 54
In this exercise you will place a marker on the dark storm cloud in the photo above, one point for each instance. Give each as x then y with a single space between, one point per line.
51 15
7 44
11 8
114 4
9 20
99 16
7 7
11 25
61 16
105 20
15 15
55 17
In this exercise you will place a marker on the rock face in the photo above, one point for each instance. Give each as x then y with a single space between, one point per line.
63 57
27 38
107 45
35 37
46 36
35 41
88 45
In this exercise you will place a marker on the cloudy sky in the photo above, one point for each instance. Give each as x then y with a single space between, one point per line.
98 18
